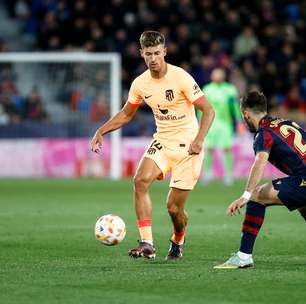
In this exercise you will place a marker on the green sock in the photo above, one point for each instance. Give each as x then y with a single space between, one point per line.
228 165
208 160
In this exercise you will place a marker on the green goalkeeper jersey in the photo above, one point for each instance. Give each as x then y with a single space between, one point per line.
223 97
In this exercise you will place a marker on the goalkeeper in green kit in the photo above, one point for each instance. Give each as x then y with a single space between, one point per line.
223 97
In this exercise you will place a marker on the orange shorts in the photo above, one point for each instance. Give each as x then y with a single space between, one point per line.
185 169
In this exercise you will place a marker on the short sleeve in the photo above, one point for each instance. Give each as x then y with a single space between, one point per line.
191 89
134 97
263 141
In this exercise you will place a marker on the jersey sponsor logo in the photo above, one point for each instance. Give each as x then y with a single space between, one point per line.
163 111
146 97
169 117
169 95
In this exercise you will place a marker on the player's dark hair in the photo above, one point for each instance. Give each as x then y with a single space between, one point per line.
255 101
151 38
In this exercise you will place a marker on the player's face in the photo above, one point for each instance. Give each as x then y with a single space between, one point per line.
154 57
247 117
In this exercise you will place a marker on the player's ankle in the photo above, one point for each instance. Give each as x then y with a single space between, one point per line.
243 255
148 242
178 237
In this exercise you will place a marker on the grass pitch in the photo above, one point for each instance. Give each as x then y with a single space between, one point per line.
48 253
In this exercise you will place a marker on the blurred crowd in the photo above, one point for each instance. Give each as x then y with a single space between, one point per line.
260 44
14 107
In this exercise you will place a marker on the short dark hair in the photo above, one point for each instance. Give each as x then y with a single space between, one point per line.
151 38
255 101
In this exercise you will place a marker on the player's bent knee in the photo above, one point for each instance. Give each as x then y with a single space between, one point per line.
256 194
265 195
141 182
173 209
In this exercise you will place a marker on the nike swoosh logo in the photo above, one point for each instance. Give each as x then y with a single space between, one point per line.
176 181
146 97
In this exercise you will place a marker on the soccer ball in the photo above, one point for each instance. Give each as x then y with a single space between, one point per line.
110 229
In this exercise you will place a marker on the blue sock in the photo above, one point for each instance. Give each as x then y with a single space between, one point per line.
254 217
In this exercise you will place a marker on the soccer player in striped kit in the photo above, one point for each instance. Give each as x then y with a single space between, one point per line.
282 143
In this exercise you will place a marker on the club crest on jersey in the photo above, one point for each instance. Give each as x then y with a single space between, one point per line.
169 95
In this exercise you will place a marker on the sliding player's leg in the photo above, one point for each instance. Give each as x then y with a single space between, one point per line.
288 191
262 197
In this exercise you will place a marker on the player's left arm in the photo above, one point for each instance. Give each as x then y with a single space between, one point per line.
207 117
254 178
195 95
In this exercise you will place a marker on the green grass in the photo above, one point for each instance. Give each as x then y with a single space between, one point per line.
48 253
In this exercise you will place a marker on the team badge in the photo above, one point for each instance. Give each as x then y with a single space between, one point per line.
169 95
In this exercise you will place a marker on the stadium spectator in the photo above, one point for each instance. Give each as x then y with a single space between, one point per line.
4 118
49 34
245 44
33 108
21 10
294 107
10 100
262 42
99 110
3 46
9 110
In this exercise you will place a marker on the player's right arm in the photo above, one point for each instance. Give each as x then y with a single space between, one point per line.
114 123
120 119
255 177
262 147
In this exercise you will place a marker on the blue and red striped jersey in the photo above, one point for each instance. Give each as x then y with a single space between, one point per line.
285 141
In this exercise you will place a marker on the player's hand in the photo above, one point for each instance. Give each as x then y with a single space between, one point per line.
195 147
96 142
235 206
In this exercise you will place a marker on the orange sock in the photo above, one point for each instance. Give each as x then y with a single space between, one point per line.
145 230
178 237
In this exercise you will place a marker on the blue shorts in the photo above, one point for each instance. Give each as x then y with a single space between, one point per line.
292 191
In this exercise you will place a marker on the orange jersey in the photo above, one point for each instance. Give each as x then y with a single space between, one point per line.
172 100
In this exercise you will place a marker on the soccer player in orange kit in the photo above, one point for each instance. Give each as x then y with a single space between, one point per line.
177 145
